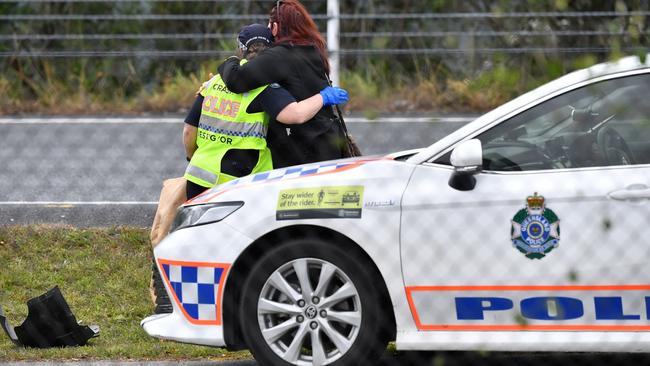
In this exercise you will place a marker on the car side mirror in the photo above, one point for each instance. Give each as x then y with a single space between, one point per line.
467 160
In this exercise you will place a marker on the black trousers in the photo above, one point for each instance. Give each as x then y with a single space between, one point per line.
235 162
194 189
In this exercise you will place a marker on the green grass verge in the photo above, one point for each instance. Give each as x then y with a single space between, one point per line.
104 275
377 88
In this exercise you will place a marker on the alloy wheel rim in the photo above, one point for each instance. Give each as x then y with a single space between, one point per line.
309 312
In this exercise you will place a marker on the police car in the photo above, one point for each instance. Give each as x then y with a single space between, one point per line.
522 231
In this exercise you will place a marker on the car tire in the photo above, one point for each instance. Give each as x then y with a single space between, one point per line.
307 302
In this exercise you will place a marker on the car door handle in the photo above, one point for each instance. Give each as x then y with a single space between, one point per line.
634 192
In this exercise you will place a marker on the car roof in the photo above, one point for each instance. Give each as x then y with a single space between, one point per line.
625 64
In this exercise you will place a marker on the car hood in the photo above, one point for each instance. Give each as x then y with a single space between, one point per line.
344 171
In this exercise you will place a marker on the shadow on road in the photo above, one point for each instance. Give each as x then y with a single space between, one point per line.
513 359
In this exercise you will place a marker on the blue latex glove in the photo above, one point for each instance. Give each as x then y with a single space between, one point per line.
334 95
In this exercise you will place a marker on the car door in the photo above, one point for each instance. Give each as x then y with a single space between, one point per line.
552 236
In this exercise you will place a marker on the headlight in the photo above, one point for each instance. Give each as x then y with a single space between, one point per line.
203 214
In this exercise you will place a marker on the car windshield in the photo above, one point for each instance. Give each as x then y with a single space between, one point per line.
576 129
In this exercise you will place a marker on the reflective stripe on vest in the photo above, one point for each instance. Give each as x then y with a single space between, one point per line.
237 129
202 174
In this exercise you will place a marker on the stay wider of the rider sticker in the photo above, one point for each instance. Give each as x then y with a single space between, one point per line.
342 202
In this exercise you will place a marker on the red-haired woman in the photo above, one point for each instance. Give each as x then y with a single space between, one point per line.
297 62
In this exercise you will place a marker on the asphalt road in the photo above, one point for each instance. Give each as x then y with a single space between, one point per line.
420 359
90 172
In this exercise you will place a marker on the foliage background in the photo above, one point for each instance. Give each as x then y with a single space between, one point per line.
464 76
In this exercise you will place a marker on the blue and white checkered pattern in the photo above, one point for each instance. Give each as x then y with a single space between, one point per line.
291 172
196 289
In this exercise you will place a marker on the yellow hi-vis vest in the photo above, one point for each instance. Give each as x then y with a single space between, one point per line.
225 125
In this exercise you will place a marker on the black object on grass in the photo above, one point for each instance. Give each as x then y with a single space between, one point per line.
49 323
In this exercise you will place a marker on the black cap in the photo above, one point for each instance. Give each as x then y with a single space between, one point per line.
254 32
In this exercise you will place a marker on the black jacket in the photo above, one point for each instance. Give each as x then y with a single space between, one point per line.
301 71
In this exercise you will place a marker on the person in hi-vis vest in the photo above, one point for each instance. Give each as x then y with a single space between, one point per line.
225 133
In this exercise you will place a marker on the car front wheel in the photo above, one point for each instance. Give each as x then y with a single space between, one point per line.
310 303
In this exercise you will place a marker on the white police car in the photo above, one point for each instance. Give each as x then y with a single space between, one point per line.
523 230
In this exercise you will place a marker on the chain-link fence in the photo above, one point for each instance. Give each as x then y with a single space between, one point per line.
361 33
542 250
151 30
529 236
133 47
429 48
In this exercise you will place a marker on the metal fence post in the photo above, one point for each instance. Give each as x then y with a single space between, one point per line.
333 30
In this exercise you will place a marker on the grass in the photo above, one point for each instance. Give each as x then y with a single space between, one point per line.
39 87
104 275
116 88
375 89
424 95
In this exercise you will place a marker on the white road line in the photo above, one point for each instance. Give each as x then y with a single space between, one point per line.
85 120
74 203
179 120
410 119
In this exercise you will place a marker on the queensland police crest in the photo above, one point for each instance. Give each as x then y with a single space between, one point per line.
535 229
